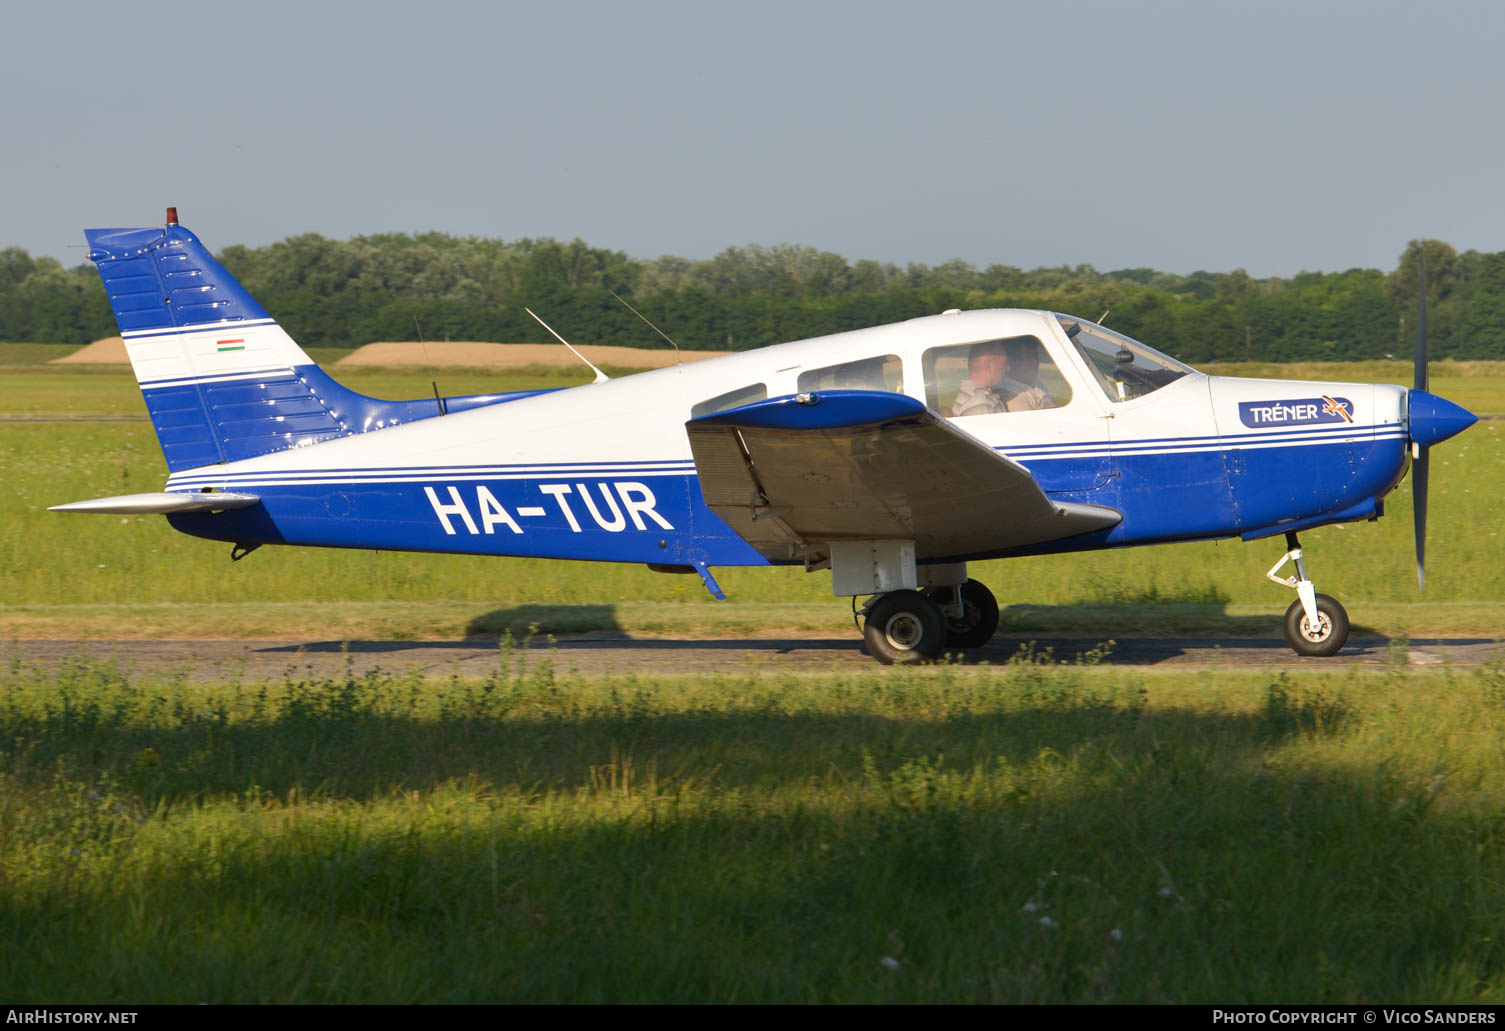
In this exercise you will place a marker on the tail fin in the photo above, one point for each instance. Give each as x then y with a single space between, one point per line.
222 381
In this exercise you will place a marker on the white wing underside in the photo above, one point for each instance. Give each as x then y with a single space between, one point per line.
787 491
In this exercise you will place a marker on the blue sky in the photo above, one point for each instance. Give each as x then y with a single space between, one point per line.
1274 136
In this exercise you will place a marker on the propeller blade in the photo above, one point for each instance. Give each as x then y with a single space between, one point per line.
1420 463
1421 323
1419 512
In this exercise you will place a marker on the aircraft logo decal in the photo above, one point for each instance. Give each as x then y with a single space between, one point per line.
1333 406
238 344
1303 411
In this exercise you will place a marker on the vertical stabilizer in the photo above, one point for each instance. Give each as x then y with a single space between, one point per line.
222 380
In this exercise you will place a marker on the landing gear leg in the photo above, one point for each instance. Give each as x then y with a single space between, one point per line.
903 627
1315 624
971 613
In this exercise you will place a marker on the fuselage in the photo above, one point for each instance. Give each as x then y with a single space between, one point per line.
605 471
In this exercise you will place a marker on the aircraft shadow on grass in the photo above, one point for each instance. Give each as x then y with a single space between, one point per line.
1040 633
1005 650
351 738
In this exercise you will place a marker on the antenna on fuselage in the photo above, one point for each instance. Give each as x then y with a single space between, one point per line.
601 377
651 326
438 401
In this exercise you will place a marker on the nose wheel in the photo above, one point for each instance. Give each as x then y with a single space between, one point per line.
1321 638
1315 624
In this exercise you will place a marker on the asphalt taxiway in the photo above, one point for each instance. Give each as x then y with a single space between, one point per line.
602 653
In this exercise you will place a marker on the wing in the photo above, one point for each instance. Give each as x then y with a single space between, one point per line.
790 473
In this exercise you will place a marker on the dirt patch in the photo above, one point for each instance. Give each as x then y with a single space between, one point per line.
449 353
109 351
473 354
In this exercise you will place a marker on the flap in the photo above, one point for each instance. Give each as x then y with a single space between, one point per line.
791 473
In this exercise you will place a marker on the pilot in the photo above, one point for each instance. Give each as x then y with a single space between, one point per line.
986 369
1022 383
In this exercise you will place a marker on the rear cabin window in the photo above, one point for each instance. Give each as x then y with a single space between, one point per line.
731 399
884 373
988 377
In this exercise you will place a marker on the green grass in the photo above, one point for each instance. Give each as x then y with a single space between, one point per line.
543 836
76 391
1018 834
32 353
49 562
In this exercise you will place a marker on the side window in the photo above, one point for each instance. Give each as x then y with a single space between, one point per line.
885 373
986 377
731 399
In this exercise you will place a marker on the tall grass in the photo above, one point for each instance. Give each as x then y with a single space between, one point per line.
1029 833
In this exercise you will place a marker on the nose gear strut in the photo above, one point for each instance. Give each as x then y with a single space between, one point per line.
1315 624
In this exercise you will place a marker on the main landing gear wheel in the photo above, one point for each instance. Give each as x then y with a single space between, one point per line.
1330 633
978 622
904 627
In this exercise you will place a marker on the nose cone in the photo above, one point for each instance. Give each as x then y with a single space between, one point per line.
1435 419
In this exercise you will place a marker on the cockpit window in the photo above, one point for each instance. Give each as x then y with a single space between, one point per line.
731 399
881 373
1124 368
989 377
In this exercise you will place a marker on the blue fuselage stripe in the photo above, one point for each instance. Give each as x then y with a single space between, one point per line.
632 514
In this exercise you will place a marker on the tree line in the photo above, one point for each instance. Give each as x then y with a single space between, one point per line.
344 293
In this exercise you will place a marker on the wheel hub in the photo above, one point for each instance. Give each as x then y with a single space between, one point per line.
903 630
1324 628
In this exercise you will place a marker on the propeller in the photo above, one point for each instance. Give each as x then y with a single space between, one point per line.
1419 454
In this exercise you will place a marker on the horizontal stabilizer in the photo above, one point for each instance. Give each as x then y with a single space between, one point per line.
164 503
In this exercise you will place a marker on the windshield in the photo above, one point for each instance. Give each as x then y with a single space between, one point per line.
1124 368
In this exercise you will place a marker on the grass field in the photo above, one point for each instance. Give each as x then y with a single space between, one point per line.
1018 834
63 575
1026 833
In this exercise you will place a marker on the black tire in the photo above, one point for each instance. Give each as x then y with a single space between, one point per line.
1330 635
979 621
904 628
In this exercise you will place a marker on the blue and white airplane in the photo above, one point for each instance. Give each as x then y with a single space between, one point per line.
892 456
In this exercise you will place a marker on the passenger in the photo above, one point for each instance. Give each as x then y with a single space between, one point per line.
986 368
1022 385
